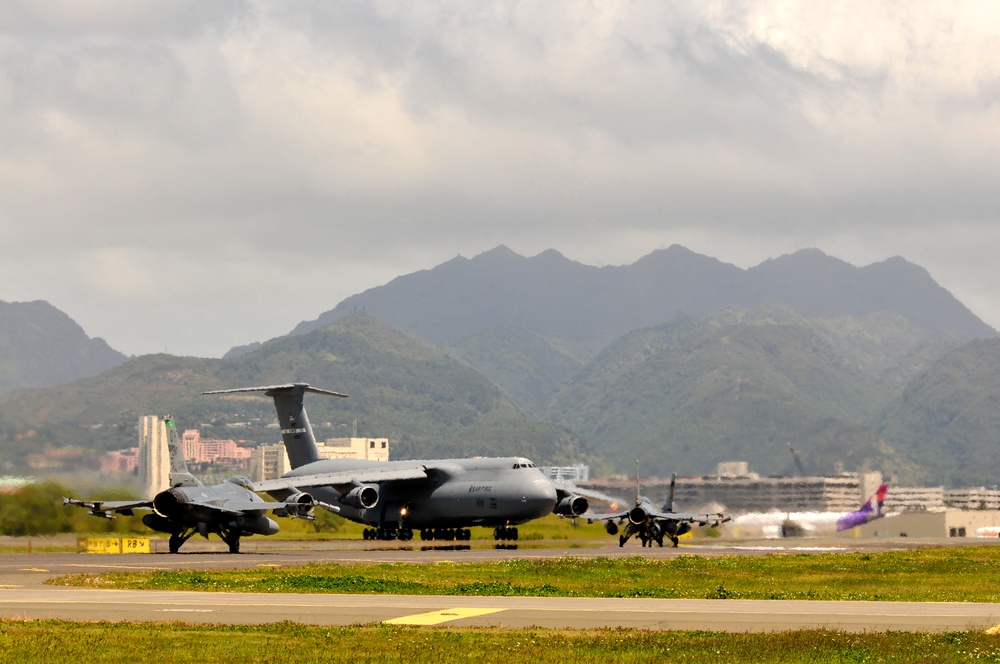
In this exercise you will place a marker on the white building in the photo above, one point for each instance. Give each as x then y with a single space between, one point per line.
154 457
269 462
577 473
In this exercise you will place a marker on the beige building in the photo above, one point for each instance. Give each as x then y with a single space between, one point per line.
942 524
269 462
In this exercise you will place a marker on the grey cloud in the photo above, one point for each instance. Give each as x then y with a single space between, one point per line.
374 139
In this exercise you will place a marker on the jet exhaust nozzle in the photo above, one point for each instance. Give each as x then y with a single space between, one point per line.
637 515
170 504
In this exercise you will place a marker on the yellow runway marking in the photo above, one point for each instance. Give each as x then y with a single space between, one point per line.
438 617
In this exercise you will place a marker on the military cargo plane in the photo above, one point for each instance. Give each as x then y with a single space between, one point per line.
231 509
441 499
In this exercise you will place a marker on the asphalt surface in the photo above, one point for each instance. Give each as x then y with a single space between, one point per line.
23 594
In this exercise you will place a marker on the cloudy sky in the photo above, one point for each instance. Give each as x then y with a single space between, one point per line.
187 176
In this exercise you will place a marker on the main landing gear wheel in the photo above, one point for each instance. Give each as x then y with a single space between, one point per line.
505 533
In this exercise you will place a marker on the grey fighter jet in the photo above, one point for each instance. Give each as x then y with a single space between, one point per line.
231 509
440 499
651 524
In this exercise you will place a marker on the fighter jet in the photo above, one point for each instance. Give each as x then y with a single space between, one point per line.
441 498
652 525
231 509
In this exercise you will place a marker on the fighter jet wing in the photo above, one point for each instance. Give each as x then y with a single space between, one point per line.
344 478
700 519
241 506
104 507
591 518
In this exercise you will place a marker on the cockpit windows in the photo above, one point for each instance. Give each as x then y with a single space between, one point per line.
523 463
241 480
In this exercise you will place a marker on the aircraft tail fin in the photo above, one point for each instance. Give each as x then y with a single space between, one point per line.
878 498
669 505
296 432
868 512
179 475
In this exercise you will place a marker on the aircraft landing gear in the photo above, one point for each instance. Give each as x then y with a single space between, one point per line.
446 534
387 534
231 536
177 539
505 533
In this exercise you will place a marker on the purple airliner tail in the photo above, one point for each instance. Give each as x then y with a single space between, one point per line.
867 513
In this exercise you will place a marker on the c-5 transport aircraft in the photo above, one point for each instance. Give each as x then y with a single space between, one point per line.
651 524
798 524
231 509
440 498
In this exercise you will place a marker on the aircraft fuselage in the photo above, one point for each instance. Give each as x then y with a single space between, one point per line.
458 493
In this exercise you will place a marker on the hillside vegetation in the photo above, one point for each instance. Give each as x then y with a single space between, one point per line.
427 403
679 360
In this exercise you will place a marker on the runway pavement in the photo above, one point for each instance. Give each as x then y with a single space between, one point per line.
504 612
23 595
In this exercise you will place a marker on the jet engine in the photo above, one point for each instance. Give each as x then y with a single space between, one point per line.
361 497
302 509
259 525
573 505
638 515
170 504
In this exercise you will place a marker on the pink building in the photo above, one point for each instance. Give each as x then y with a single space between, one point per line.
209 450
122 461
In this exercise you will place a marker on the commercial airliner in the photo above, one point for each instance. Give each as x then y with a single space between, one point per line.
793 524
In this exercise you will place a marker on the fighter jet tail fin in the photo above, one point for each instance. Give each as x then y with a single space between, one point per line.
669 505
296 432
179 475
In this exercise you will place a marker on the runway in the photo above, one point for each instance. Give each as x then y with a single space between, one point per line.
24 596
502 612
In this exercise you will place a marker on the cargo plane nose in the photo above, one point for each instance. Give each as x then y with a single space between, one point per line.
538 496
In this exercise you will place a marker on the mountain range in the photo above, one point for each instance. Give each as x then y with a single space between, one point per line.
580 309
678 360
40 345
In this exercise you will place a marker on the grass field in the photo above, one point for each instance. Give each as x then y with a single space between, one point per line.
55 642
963 574
945 574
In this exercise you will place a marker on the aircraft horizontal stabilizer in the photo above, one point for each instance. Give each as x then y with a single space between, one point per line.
271 389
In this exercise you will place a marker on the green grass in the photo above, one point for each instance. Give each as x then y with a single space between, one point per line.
54 642
945 574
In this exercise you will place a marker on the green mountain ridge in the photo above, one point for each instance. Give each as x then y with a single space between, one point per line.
400 387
